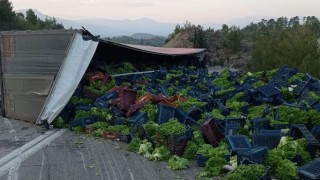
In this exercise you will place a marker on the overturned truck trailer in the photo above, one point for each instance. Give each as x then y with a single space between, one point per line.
40 70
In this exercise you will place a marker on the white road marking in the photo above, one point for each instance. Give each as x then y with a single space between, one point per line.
17 156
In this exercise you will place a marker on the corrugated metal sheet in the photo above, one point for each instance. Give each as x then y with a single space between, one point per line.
158 50
34 53
30 61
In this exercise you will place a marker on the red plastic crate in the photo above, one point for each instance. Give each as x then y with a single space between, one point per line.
127 98
211 132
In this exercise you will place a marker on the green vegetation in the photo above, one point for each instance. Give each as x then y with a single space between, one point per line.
18 21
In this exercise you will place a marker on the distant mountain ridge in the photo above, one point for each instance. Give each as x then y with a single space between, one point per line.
145 36
111 28
142 26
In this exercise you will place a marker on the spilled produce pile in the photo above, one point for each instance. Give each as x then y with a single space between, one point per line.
237 126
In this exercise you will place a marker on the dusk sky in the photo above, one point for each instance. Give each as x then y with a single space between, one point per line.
172 11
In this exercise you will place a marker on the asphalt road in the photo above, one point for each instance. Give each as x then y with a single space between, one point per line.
61 154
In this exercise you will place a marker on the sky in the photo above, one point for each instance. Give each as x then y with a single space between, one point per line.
171 11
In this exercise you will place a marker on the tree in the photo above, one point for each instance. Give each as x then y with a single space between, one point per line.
296 46
7 16
31 17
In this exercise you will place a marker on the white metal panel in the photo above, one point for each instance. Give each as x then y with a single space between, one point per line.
69 76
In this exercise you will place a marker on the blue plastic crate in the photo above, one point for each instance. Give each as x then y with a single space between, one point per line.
83 121
300 88
184 118
108 96
101 103
125 138
165 113
310 171
231 128
257 155
138 118
316 132
270 140
300 131
283 73
142 134
280 84
116 112
83 108
218 103
238 143
258 124
269 91
201 160
281 126
240 121
195 112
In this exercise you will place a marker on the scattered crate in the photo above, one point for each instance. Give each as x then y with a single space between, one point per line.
310 171
231 128
83 108
195 112
101 103
258 124
127 98
177 143
125 138
83 121
241 122
270 140
165 113
211 132
238 143
201 160
300 131
300 88
257 155
316 132
138 118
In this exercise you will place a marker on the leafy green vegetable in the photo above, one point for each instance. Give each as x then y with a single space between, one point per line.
99 125
256 111
190 150
134 145
288 148
217 114
286 169
172 127
78 100
125 131
247 172
59 123
258 84
116 128
214 166
185 106
159 154
198 138
151 111
292 115
177 163
78 129
235 105
206 150
314 96
297 76
145 148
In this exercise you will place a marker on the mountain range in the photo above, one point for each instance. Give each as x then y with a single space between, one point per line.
127 27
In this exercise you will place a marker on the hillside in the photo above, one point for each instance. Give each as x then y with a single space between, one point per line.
215 44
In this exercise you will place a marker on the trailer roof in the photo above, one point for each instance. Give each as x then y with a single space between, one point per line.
158 50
